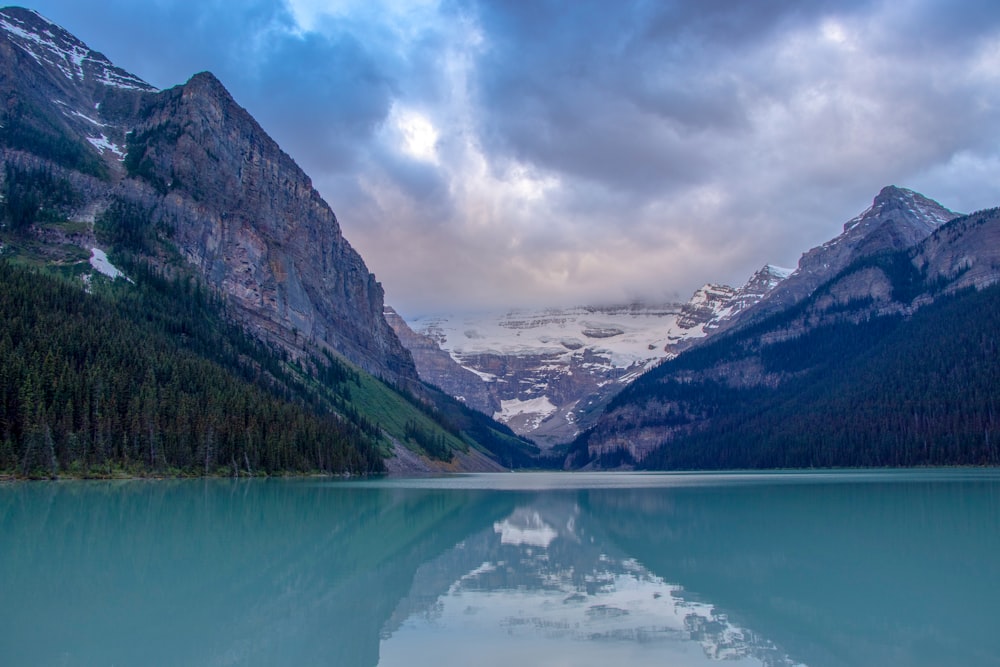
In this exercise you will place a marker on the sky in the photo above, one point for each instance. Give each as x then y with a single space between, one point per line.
489 154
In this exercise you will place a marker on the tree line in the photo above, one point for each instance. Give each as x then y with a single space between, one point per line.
150 377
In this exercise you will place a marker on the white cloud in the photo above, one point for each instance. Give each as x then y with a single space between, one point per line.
416 135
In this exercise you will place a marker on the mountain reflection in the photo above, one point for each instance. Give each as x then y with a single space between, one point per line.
546 576
841 569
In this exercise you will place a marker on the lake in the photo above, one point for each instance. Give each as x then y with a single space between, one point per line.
825 568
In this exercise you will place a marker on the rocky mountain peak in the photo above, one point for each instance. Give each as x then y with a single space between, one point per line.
713 306
898 218
756 288
901 204
207 83
705 305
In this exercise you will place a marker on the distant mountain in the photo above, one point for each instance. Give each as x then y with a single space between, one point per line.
714 306
438 368
545 370
103 176
548 373
878 350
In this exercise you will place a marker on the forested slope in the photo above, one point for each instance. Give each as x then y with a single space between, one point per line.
149 377
886 392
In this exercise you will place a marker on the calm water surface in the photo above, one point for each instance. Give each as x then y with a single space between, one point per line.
834 568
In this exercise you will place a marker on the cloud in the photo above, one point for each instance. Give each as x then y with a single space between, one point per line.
486 153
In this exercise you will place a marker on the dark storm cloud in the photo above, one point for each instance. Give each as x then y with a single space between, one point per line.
485 153
622 91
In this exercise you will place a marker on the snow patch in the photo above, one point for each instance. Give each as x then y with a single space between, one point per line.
780 271
69 62
73 112
99 260
102 144
540 408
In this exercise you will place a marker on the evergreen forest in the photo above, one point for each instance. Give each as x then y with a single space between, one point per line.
132 379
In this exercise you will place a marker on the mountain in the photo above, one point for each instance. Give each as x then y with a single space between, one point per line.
888 360
545 370
714 306
548 373
105 176
897 219
192 161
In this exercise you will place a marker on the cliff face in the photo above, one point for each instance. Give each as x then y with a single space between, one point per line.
192 164
438 368
246 215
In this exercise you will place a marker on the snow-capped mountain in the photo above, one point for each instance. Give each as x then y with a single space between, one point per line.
901 255
548 368
52 46
548 372
713 305
89 93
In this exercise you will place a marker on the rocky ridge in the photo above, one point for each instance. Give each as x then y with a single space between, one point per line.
438 368
897 219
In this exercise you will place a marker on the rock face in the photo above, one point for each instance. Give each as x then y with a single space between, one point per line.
438 368
249 218
192 162
706 306
714 306
962 254
897 219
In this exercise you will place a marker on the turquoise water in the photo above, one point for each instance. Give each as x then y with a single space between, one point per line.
833 568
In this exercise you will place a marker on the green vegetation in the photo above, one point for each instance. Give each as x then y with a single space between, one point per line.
157 335
34 195
151 378
141 148
126 226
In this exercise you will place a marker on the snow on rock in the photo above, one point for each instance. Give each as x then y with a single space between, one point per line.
536 409
779 272
99 260
52 46
102 144
551 369
622 335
